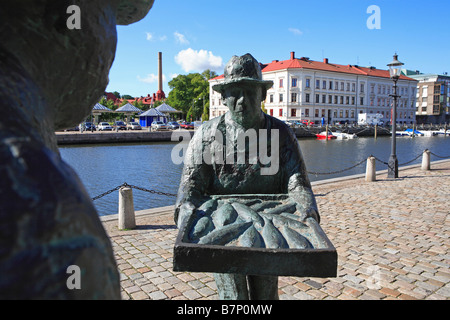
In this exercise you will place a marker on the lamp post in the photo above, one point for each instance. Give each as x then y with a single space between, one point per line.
395 69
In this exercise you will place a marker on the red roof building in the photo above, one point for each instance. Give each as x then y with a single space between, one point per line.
322 91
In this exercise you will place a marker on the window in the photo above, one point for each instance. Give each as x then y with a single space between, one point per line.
324 98
347 100
316 113
330 99
336 85
317 84
307 97
331 85
281 83
317 98
307 113
280 112
342 86
323 112
271 112
293 112
281 97
352 113
342 100
361 101
348 86
362 87
335 99
324 84
353 100
271 98
294 82
293 97
341 114
307 83
353 87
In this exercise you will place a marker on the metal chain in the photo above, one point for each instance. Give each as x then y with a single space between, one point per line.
439 156
314 173
411 160
134 187
380 160
334 172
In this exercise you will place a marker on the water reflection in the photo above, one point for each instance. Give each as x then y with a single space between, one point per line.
149 165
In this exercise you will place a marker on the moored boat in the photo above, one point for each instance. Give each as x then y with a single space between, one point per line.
323 135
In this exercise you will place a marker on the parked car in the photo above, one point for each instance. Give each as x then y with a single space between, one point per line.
120 125
104 126
158 125
307 122
173 125
187 125
134 126
89 126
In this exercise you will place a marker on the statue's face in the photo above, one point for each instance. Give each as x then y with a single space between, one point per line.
244 101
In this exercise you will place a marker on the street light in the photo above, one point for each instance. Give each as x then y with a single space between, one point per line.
395 70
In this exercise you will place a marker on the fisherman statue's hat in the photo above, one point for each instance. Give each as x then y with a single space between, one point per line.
242 70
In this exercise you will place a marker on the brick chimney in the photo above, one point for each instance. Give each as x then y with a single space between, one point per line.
325 60
160 93
292 55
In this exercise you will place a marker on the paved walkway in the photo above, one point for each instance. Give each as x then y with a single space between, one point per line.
392 238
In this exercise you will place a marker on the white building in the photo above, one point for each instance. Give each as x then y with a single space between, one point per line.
311 90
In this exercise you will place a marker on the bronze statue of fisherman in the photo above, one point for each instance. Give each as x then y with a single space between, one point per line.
242 92
52 243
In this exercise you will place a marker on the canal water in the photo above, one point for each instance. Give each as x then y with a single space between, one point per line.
149 165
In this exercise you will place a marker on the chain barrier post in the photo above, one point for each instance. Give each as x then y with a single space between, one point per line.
426 160
370 169
126 209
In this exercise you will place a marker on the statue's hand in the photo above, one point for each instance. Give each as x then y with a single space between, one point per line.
308 213
185 211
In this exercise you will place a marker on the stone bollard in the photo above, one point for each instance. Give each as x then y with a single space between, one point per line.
370 169
126 209
426 160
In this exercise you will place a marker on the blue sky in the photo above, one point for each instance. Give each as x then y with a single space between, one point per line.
204 34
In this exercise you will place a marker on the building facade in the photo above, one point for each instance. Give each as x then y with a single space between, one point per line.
432 98
326 92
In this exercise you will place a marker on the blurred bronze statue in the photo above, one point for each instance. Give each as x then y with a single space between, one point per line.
54 68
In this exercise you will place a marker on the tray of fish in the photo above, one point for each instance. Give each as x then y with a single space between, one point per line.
253 234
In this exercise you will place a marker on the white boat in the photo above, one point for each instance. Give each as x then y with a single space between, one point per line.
341 135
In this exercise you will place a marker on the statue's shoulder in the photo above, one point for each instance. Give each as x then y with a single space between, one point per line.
209 127
274 123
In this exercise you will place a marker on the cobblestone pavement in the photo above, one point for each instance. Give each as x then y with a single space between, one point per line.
392 239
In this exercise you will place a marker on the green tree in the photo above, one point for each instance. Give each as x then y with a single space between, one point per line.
127 96
188 93
205 114
116 94
263 107
208 74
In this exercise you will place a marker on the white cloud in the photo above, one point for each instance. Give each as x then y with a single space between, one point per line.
193 60
296 31
150 78
151 37
180 38
173 75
